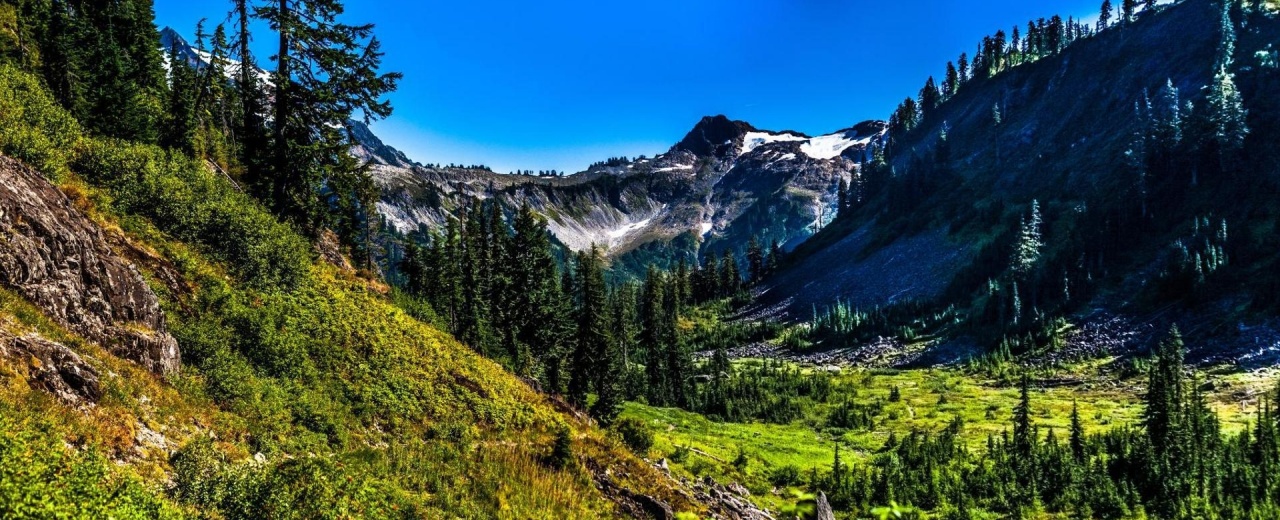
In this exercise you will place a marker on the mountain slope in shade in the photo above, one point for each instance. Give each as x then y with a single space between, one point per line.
1113 237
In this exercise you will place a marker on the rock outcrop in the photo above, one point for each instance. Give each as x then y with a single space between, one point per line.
54 256
52 367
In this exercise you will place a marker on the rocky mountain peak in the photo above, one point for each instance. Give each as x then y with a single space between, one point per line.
714 136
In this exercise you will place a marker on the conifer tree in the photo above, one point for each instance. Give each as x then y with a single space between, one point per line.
1077 434
1104 16
326 74
593 343
951 83
930 98
1227 115
1030 242
755 259
653 336
1127 9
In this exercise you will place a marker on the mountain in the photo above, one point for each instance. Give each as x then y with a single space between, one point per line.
1116 150
722 184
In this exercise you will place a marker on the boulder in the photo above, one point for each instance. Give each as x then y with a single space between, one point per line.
59 260
824 511
52 367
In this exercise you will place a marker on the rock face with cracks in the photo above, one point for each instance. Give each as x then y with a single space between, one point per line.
59 260
52 367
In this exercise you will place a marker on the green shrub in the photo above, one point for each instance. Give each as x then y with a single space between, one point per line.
635 434
184 199
562 450
33 127
41 479
785 476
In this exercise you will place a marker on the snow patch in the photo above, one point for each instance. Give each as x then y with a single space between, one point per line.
831 146
673 168
706 228
629 228
754 140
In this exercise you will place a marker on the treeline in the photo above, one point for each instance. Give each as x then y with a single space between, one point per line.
1176 464
282 135
1002 51
497 282
539 173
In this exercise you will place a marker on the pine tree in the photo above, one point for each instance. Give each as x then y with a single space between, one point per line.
755 260
593 350
930 98
326 74
1077 434
730 279
1127 10
1104 16
1227 115
1027 251
951 84
1023 439
1164 400
653 337
842 198
775 256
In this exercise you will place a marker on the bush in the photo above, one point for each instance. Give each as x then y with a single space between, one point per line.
183 198
562 450
635 434
33 127
39 478
785 476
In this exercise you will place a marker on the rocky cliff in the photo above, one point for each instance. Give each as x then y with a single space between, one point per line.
58 259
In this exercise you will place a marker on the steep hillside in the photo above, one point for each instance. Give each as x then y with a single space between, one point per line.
1140 201
170 349
723 184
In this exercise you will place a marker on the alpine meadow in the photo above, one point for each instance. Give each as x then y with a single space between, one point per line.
255 262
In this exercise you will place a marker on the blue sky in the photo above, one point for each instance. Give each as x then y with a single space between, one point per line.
560 84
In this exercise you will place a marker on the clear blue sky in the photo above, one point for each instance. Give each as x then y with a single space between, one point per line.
560 84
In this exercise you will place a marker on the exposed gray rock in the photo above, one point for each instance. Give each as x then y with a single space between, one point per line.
52 367
57 258
824 511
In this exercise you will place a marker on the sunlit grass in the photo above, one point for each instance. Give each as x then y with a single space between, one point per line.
929 400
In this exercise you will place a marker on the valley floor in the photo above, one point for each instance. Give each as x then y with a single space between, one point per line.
763 456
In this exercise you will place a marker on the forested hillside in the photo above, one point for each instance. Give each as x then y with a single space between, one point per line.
1072 172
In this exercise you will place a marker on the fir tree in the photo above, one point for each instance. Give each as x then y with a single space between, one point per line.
1077 434
326 74
1027 251
1104 16
755 260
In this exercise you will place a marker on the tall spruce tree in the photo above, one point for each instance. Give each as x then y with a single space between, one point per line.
755 259
326 74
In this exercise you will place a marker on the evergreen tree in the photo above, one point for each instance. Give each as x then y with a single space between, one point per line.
1104 16
326 74
1227 115
654 337
930 98
1077 434
1127 10
1164 401
951 84
593 349
1027 251
755 259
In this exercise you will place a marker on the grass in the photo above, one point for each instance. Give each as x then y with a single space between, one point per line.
929 400
359 409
